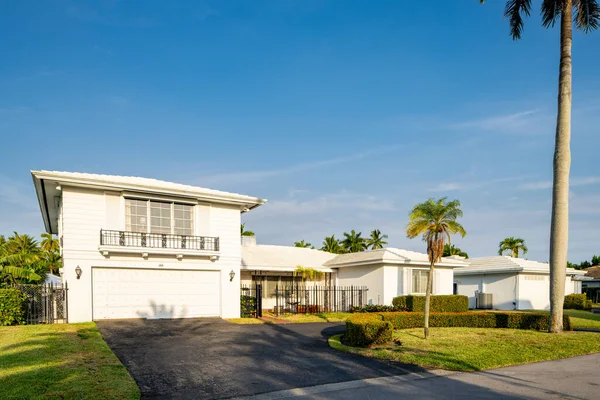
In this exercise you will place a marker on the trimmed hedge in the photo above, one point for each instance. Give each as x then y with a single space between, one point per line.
364 330
577 302
12 307
372 308
474 319
439 303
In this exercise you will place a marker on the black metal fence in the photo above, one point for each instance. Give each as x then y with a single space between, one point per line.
297 299
251 301
592 293
46 304
158 240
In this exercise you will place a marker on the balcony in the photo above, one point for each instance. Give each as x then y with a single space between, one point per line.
157 243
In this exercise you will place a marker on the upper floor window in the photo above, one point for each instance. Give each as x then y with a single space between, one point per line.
159 217
419 281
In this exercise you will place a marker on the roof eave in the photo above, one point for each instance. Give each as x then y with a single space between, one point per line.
42 201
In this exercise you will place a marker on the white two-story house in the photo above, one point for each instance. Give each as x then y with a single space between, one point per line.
144 248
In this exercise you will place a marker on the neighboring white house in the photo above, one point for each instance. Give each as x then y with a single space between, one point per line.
391 272
515 283
144 248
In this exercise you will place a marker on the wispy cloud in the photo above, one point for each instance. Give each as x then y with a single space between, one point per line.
253 176
471 185
524 122
581 181
104 18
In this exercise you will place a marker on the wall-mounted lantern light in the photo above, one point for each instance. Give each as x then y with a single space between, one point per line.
231 275
78 272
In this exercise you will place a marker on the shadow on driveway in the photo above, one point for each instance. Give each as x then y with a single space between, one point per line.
210 358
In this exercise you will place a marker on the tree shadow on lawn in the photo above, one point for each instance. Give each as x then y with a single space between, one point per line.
71 363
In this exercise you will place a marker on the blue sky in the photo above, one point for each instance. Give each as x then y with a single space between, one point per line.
343 114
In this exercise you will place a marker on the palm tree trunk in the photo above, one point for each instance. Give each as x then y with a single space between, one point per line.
559 229
515 253
428 300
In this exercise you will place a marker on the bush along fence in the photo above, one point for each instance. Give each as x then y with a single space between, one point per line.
367 329
251 301
577 302
317 299
12 307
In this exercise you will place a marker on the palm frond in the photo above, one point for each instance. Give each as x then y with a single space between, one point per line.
587 15
515 10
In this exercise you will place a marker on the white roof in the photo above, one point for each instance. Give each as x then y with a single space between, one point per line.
503 264
283 258
46 183
53 279
389 255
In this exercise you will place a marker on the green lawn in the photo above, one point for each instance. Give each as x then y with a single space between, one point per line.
304 318
580 318
472 349
66 361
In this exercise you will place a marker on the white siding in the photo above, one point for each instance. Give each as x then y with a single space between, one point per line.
369 276
86 211
444 280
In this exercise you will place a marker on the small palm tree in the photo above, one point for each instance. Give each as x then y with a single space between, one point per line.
512 245
332 245
353 242
436 221
451 250
307 273
304 244
377 240
244 232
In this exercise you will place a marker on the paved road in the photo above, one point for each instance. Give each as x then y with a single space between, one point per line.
573 378
211 358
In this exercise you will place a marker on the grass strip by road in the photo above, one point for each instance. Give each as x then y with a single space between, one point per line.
306 318
66 361
473 349
580 318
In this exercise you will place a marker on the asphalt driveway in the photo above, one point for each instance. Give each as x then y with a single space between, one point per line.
212 358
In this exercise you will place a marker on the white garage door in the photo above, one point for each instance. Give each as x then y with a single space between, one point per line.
151 293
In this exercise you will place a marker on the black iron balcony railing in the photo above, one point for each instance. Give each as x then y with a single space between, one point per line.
158 240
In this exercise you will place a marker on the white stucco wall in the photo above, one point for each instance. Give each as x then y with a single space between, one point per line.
86 211
369 276
467 285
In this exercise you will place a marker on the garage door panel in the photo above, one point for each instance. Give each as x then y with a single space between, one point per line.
136 293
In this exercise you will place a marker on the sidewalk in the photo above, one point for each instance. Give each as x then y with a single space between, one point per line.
572 378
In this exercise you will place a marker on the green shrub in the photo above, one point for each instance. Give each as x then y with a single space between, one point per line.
247 306
372 308
577 302
511 320
363 330
12 307
439 303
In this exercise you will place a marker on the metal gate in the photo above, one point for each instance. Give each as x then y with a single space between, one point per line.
251 301
45 304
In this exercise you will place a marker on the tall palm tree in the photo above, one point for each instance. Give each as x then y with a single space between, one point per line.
353 242
452 250
512 245
332 245
304 244
377 240
49 244
23 244
587 18
436 221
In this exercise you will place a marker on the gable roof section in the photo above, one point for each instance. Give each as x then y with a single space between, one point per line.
389 255
504 264
283 258
45 183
